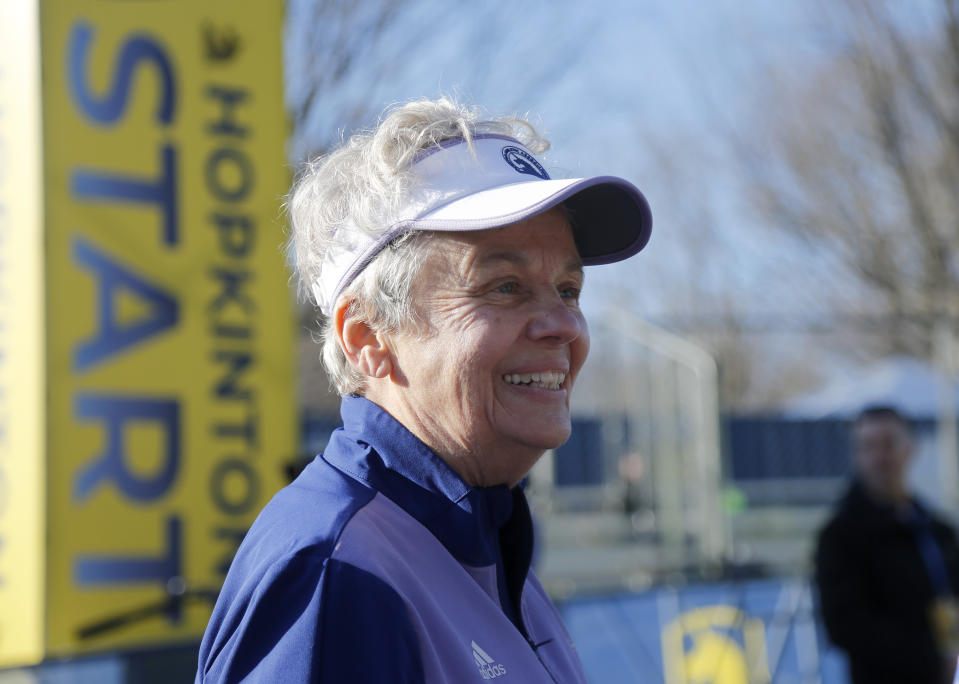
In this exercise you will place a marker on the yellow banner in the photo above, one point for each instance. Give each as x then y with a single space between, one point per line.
716 644
21 339
170 337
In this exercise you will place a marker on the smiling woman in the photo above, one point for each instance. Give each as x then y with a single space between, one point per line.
448 266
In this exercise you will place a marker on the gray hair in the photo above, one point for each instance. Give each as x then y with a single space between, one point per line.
358 187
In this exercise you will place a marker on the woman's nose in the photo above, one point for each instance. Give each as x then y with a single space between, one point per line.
556 321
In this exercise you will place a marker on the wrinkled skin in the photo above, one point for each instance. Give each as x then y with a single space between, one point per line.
493 303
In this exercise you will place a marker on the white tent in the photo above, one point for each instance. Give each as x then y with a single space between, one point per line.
912 386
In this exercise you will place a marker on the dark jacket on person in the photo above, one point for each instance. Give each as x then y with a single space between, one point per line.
876 592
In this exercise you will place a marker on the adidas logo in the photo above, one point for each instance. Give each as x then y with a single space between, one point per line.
487 666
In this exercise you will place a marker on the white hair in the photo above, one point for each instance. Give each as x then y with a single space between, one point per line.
358 187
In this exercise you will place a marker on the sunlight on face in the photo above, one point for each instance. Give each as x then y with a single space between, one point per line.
487 384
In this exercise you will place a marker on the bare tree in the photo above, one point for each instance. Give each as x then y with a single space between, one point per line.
761 364
346 59
860 162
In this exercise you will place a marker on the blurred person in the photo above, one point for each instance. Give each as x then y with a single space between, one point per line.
887 567
448 268
636 510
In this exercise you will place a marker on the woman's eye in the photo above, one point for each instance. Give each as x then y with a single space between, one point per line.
570 293
508 288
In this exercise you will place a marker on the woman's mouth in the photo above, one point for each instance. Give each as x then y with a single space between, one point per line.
551 380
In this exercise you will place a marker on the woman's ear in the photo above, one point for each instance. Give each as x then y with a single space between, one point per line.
366 349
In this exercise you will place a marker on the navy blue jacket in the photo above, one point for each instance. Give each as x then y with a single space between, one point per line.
379 564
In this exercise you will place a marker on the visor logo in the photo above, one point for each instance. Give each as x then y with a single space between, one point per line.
524 162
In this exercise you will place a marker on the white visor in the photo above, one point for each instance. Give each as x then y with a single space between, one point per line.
497 183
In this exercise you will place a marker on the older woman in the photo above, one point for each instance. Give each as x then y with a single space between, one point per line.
448 267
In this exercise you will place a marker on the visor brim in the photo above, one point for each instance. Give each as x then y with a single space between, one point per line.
610 217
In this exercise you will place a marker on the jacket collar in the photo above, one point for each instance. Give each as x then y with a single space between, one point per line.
859 503
375 448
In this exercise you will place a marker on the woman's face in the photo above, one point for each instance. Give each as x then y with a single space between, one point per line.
487 384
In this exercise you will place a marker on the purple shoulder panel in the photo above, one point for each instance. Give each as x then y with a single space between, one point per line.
464 636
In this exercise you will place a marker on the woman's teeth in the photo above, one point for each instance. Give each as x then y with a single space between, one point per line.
552 380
